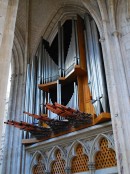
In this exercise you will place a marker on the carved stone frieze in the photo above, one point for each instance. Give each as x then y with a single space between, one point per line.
68 150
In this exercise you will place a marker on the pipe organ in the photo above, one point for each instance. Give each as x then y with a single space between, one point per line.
70 70
66 87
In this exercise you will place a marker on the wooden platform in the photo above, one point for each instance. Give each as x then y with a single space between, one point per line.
47 86
77 71
63 80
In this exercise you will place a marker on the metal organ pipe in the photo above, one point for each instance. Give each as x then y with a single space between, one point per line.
100 70
73 103
48 71
96 73
39 77
62 53
31 88
43 78
27 90
75 96
72 58
77 60
59 47
91 63
96 78
58 93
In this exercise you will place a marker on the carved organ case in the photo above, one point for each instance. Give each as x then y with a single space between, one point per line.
70 70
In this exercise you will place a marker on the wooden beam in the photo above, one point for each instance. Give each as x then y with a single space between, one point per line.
103 117
47 86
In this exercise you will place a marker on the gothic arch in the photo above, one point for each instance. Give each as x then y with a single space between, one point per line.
95 145
34 160
72 151
52 156
67 11
96 13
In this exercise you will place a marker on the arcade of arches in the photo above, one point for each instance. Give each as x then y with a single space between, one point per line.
68 109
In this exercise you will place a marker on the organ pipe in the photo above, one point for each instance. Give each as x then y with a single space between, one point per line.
62 52
100 70
95 67
77 59
59 47
39 77
72 57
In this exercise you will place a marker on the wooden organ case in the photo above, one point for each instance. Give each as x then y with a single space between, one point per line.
72 71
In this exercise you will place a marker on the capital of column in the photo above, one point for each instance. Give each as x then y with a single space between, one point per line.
91 166
67 170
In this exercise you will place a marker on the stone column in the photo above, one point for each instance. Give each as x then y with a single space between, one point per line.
118 91
8 13
91 166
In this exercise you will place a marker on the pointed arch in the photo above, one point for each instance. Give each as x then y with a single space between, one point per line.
56 158
52 156
95 146
72 151
67 11
34 160
79 160
96 14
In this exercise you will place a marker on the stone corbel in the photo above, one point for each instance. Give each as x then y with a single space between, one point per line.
91 166
117 34
102 39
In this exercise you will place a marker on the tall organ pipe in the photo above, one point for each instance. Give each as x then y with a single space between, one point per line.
100 69
72 55
27 90
62 54
59 47
95 67
73 102
77 60
39 74
91 63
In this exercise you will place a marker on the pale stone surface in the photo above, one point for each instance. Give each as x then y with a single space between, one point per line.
113 21
8 10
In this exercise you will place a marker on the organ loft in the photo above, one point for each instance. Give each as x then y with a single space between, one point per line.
64 89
